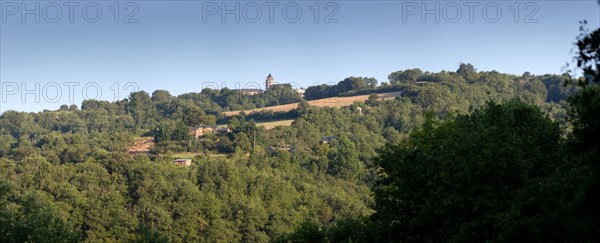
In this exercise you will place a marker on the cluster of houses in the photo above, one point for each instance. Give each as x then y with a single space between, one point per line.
201 130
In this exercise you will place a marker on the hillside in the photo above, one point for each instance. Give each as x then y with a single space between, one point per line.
263 179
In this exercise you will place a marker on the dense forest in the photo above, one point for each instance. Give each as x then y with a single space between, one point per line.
461 156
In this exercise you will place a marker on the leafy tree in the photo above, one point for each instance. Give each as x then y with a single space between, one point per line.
466 70
161 96
585 117
181 132
373 99
242 142
355 84
349 85
138 105
163 133
478 177
283 94
344 160
303 107
307 232
38 221
319 92
406 76
150 235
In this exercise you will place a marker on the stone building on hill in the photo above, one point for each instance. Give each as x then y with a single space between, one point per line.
201 130
269 83
184 162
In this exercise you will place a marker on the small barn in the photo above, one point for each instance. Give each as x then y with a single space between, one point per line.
184 162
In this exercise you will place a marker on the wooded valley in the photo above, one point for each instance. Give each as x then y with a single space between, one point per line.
461 155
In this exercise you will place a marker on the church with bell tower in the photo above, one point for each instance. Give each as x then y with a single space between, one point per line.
269 82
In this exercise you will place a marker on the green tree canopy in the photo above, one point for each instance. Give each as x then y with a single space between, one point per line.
474 178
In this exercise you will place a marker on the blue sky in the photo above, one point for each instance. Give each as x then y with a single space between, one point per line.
183 46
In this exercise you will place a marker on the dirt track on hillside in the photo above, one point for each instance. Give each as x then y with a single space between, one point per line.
141 146
327 102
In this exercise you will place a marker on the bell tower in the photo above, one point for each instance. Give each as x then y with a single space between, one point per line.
269 82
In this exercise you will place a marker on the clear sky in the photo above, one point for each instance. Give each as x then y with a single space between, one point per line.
183 46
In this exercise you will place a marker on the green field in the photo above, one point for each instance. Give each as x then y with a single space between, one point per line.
273 124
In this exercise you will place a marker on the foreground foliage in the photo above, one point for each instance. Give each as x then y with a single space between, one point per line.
122 199
501 173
